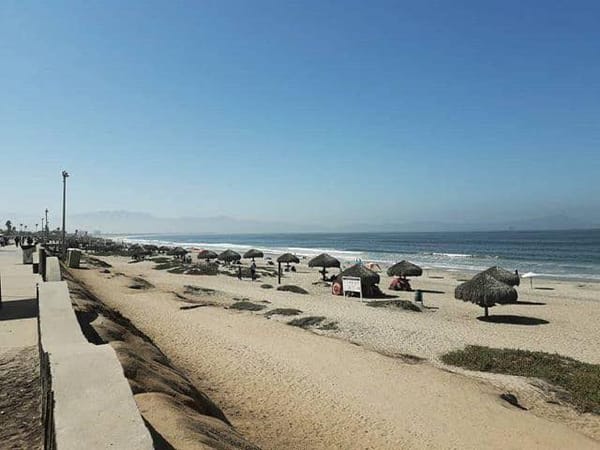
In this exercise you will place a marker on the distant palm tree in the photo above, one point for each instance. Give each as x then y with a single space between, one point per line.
8 226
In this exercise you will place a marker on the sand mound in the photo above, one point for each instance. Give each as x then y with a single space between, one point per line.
183 428
178 414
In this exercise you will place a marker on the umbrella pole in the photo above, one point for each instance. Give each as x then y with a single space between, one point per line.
279 273
486 311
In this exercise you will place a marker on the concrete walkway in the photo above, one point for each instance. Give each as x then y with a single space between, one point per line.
18 315
20 391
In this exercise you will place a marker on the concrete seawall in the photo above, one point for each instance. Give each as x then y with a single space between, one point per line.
94 406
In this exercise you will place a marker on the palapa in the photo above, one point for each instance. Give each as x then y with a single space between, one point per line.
486 291
405 269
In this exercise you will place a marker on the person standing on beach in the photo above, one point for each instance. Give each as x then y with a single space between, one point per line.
253 270
17 239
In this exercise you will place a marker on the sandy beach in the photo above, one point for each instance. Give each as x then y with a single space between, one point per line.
373 379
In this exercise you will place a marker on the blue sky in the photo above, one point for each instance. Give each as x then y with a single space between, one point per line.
303 111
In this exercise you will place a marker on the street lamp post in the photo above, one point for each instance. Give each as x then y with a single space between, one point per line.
46 230
65 175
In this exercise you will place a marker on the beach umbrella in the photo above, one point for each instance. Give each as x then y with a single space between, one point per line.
368 278
486 291
288 258
506 277
151 248
405 269
164 249
530 275
324 260
207 255
229 256
253 253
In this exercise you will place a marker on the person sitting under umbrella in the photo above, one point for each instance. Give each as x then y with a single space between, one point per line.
400 284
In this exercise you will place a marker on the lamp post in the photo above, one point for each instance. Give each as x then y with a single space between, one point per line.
65 175
46 230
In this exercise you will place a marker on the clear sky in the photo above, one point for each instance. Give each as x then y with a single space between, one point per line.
303 111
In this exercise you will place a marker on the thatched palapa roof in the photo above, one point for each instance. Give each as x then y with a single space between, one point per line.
366 276
229 256
324 260
253 253
405 269
506 277
288 258
207 254
179 251
485 290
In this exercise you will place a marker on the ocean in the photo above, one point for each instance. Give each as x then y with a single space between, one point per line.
571 254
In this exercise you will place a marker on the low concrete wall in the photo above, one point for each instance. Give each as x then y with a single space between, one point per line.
52 269
94 406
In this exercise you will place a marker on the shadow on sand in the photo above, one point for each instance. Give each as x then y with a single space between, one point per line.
19 309
513 320
525 303
429 291
544 288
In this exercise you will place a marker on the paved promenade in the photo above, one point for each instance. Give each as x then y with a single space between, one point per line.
19 359
18 323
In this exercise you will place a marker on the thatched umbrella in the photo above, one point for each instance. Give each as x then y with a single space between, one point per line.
164 249
288 258
229 256
506 277
178 252
207 255
325 261
405 269
151 248
485 291
253 253
368 278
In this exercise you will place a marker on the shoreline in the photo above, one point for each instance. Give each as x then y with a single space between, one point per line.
307 253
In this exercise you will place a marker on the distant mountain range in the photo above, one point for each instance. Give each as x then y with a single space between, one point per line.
136 222
129 222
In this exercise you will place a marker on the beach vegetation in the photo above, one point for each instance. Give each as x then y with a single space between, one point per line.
292 288
283 312
266 286
406 305
307 322
247 306
578 382
197 290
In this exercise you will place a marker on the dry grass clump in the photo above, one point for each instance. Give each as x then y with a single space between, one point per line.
247 306
203 269
140 284
579 380
292 288
197 290
96 262
266 286
283 312
395 304
307 322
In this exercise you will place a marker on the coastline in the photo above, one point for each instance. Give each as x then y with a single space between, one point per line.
347 257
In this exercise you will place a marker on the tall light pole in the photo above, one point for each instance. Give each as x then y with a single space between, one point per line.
46 230
65 175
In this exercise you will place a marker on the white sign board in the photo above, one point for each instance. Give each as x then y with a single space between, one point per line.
352 284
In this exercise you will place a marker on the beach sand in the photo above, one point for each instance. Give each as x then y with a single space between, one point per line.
362 384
